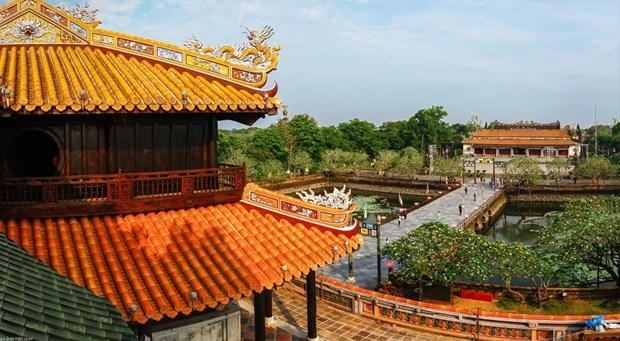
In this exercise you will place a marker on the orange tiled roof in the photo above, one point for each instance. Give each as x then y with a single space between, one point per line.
156 260
53 62
521 137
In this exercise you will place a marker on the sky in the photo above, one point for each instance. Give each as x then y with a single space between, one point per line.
383 60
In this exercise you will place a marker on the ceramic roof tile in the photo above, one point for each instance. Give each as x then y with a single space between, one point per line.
155 260
36 302
121 73
521 137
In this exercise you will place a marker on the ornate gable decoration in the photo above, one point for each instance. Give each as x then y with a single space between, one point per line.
34 22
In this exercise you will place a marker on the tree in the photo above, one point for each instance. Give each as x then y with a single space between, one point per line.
595 168
427 127
435 253
308 135
301 161
333 139
361 136
558 168
386 161
508 261
586 233
267 144
393 134
288 137
410 162
332 160
451 168
522 172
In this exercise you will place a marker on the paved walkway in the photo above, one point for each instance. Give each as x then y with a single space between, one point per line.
445 208
289 305
289 309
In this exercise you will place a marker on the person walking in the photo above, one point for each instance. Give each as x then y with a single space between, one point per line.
474 196
460 209
465 189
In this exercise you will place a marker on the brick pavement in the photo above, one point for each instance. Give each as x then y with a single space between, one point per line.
289 309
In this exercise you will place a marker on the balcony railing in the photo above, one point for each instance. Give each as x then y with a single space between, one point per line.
120 193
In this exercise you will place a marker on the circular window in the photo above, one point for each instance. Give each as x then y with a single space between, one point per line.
32 153
468 148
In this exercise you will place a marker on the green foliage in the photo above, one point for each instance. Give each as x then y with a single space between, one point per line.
437 253
267 144
336 159
586 235
522 172
361 136
558 168
410 163
386 161
301 162
451 168
427 127
308 135
595 168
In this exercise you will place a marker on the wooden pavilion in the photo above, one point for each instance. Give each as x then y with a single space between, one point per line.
109 174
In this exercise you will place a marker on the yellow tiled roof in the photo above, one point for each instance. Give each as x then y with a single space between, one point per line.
52 62
521 137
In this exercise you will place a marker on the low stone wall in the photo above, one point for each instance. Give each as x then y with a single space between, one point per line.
447 319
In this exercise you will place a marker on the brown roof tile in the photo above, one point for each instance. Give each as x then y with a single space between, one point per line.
156 260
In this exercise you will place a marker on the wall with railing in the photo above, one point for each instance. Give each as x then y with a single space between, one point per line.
120 191
446 319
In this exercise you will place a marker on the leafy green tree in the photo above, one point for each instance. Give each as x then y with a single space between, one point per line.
558 168
435 253
393 134
308 135
509 261
356 161
333 139
595 168
272 170
362 136
451 168
267 144
386 161
289 139
427 127
332 160
227 145
586 233
301 162
410 162
521 172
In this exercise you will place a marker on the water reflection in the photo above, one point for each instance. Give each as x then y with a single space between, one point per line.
522 222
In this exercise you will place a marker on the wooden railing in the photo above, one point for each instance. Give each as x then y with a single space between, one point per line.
120 193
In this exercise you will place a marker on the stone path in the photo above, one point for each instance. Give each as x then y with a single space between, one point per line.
445 208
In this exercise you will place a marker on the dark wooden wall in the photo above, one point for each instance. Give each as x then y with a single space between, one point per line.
104 144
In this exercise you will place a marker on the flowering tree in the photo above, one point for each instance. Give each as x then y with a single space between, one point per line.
435 253
586 234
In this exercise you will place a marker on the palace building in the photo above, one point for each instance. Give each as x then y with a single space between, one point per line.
113 205
526 139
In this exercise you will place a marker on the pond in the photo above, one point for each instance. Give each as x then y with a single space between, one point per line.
522 222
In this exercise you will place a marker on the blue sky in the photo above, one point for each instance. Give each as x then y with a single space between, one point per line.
383 60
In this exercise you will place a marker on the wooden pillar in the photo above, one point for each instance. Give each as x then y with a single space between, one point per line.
211 142
311 305
259 316
269 319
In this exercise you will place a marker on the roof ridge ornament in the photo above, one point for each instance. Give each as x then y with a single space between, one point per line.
337 199
82 12
258 55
